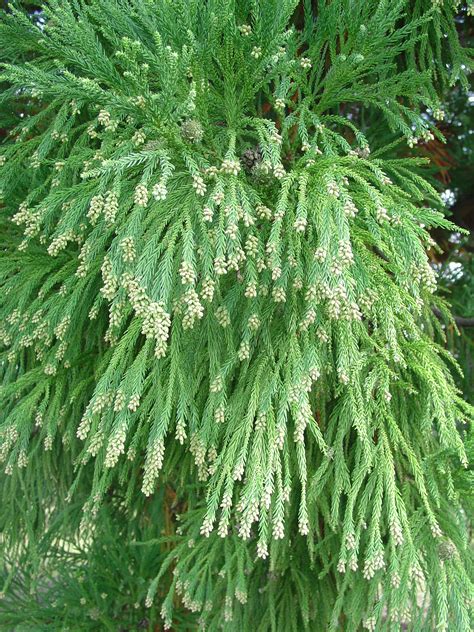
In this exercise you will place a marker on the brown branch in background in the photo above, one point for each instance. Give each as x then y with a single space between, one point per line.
461 321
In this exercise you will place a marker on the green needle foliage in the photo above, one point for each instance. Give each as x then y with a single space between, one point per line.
210 284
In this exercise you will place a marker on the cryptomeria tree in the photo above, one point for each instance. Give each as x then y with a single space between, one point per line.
225 400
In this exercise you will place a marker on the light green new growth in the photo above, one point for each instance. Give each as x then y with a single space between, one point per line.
213 277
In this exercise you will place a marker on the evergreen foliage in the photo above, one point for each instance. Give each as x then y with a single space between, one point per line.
220 356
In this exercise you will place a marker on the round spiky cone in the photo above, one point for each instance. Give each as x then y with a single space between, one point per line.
251 158
192 130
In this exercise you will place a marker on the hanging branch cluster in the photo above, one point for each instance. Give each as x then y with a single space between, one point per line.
204 262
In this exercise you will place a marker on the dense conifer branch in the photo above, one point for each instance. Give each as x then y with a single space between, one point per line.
209 278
